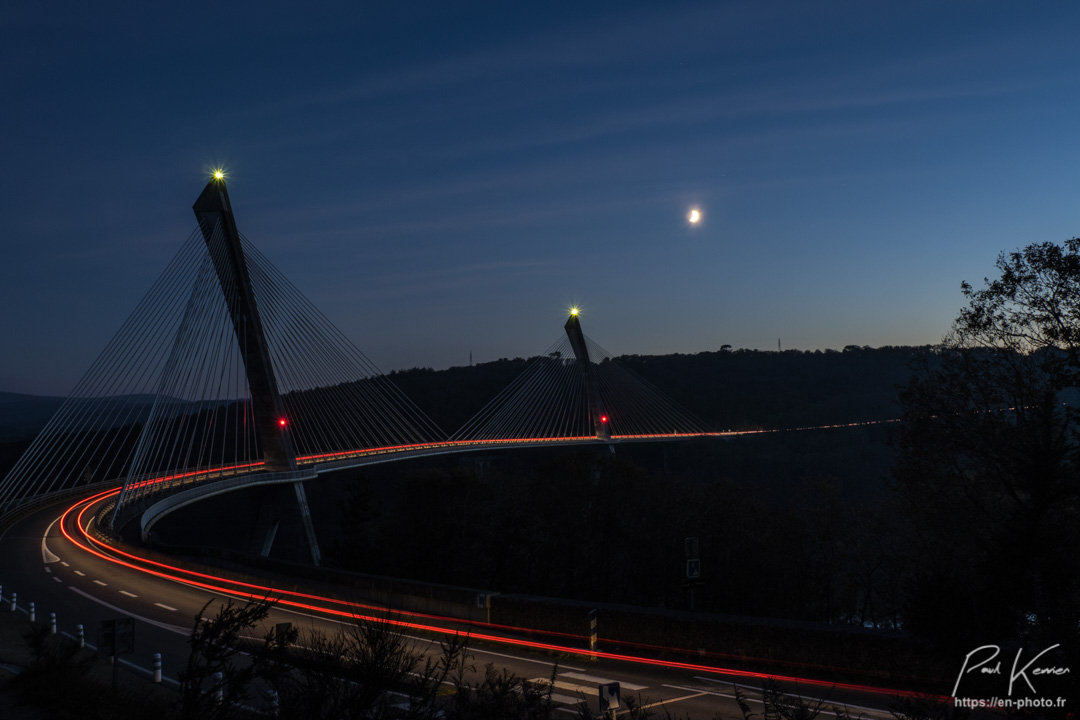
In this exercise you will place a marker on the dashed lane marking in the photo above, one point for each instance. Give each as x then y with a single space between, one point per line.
165 607
102 584
125 592
157 623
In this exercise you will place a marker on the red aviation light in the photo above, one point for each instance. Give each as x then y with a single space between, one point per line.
282 422
603 418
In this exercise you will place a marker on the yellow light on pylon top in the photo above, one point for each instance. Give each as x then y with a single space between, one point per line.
218 175
573 311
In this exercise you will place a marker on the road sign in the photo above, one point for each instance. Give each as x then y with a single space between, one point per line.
693 568
691 545
116 637
609 697
282 633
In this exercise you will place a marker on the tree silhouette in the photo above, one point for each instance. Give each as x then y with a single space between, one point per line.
988 460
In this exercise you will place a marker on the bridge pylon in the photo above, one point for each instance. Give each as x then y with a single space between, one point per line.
597 413
223 370
578 392
218 226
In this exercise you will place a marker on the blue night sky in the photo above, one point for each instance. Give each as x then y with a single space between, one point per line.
446 177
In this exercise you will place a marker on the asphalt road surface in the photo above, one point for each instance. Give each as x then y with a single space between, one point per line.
44 560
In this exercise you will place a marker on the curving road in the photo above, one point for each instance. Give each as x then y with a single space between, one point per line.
49 559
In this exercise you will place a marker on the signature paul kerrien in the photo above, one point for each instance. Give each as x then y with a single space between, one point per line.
984 668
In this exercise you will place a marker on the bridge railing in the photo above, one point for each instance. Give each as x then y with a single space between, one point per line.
174 501
177 498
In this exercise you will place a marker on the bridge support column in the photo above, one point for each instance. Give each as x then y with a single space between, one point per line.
280 515
309 526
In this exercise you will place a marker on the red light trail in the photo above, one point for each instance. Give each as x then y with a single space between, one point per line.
345 609
390 449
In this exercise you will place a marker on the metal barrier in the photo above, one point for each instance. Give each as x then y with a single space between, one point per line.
12 514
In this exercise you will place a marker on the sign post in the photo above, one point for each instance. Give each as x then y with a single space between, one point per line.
693 568
116 638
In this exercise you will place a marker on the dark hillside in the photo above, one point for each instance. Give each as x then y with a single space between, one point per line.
724 389
22 416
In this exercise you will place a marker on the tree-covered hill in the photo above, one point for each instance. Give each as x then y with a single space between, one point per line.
725 389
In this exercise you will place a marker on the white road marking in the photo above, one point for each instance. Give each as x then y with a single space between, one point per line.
57 579
602 681
583 689
566 699
587 691
758 690
511 657
430 641
125 592
164 626
674 700
48 569
102 584
166 607
80 572
64 564
46 554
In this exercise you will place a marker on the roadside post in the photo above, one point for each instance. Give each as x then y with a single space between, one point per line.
592 632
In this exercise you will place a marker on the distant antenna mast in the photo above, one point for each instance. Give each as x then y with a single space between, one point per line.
778 345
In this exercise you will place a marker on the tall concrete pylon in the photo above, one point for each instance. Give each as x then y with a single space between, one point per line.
596 409
218 226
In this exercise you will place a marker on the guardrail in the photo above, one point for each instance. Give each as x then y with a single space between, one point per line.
13 514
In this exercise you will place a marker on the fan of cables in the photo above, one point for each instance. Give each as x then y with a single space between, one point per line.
550 400
167 402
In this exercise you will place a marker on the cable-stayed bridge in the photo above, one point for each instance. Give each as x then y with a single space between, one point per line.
226 376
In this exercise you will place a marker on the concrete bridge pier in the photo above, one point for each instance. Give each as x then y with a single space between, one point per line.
284 518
